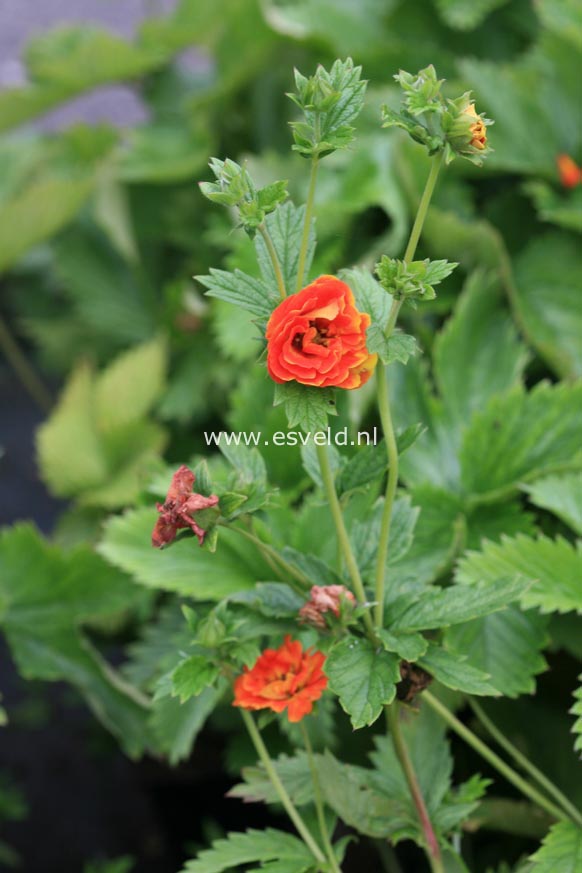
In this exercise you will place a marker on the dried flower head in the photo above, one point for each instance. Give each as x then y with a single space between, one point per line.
178 508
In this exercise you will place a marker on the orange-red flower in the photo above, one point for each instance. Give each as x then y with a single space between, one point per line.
178 507
325 598
570 172
318 337
284 678
477 129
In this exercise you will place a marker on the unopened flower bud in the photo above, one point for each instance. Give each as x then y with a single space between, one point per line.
325 598
569 171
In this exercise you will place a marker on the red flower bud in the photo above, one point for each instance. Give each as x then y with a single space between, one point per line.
570 173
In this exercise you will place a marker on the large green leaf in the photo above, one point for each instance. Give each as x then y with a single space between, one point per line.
429 751
176 725
45 595
347 790
184 567
507 645
561 851
38 212
97 442
252 847
521 436
242 290
106 296
554 568
440 607
561 495
477 354
363 677
129 387
285 226
453 671
548 301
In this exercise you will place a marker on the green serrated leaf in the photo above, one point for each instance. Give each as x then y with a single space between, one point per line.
577 726
561 850
241 290
176 725
481 333
441 607
294 772
552 567
408 646
548 304
398 347
454 672
561 495
184 566
542 429
44 599
507 645
285 228
363 677
274 599
250 847
192 676
330 101
128 388
305 405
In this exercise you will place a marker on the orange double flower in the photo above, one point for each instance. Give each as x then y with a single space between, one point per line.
284 678
318 337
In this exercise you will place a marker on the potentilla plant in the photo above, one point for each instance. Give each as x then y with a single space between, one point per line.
353 629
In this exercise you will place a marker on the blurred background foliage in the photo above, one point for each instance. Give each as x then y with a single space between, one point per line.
102 228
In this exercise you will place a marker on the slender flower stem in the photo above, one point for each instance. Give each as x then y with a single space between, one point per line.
423 208
432 847
21 366
492 758
525 763
319 807
272 555
307 223
286 801
392 450
340 527
274 260
384 403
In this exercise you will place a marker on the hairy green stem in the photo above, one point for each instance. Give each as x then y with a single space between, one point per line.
319 807
524 762
432 846
274 260
384 404
23 369
272 555
307 222
423 208
392 451
342 534
286 801
492 758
